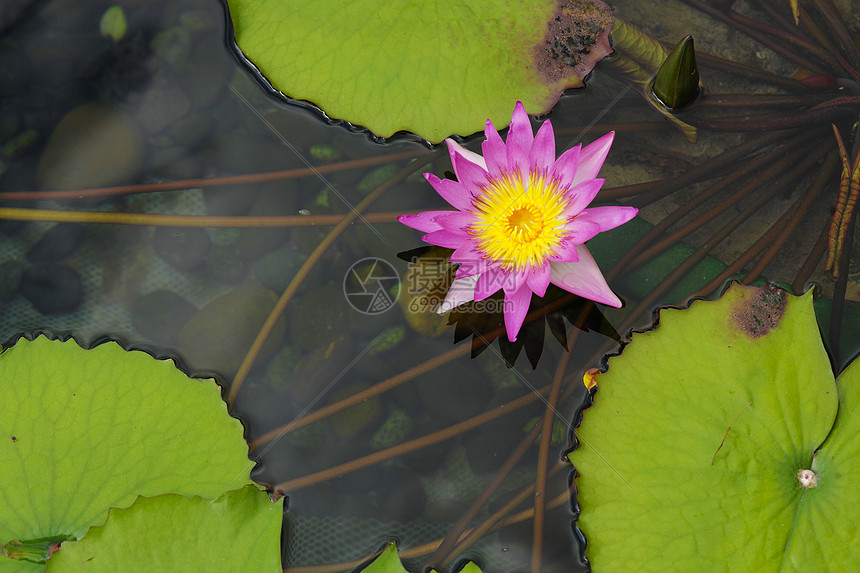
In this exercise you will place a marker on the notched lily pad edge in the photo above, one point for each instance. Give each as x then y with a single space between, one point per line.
54 544
178 362
387 559
320 114
273 498
588 381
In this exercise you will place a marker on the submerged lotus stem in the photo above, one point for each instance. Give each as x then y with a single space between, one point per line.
444 553
708 169
811 262
791 219
412 445
305 270
205 221
184 184
495 522
540 504
358 397
840 30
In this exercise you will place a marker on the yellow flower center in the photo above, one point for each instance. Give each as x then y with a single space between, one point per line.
525 223
520 226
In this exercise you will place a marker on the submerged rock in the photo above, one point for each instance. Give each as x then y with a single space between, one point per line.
226 264
278 198
375 178
281 366
173 46
217 338
11 273
358 419
393 430
57 243
94 145
277 268
183 248
314 371
391 339
161 104
160 314
318 317
52 288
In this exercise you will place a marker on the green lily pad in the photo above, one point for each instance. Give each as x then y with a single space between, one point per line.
20 566
389 562
239 531
82 431
689 458
470 567
432 68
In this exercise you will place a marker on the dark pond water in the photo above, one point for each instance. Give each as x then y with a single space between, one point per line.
168 102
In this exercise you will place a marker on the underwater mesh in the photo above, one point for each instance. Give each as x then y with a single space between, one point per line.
115 270
322 540
107 288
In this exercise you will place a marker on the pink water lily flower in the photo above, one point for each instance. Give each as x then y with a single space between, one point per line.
522 219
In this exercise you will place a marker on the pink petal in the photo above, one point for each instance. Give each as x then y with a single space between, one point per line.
542 154
488 283
455 148
469 175
591 158
425 221
512 280
455 221
519 300
467 254
564 168
460 292
495 153
445 238
470 268
519 140
471 261
581 195
453 192
579 231
584 279
538 279
608 217
565 253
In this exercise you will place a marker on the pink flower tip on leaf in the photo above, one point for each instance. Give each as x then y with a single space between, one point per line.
521 219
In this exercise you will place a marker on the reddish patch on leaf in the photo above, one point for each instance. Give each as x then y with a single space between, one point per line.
759 313
577 37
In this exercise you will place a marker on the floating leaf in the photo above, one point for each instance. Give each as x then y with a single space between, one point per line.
239 531
82 431
689 457
641 56
433 68
389 562
20 566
